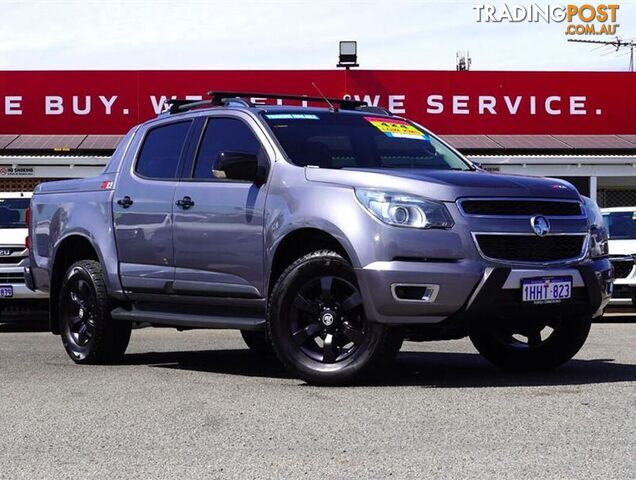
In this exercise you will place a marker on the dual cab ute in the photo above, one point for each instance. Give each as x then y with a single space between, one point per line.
329 235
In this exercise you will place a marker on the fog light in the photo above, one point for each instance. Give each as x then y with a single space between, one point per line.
405 292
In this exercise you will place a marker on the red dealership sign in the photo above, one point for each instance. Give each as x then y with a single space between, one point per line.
107 102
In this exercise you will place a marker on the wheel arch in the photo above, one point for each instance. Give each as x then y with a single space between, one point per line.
300 241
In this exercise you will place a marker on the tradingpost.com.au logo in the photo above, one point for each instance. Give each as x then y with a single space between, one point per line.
582 19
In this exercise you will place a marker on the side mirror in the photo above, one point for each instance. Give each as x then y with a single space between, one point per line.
239 166
476 164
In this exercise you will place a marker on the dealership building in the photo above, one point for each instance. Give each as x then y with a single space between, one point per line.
580 126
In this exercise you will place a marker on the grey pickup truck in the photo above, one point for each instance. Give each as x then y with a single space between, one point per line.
326 235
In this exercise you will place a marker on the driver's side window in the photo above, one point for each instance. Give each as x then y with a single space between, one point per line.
226 139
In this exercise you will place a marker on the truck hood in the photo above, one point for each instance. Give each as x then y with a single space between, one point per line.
622 247
446 185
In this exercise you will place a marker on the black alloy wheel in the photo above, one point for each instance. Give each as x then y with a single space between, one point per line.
531 344
88 333
326 319
526 336
317 324
80 312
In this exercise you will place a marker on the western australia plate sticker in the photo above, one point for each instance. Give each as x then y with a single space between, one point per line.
291 116
396 128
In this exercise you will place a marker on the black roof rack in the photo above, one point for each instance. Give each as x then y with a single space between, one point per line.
377 110
220 98
178 106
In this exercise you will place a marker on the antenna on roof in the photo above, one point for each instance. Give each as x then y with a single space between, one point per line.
323 96
615 44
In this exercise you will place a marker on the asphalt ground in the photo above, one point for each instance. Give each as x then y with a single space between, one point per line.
198 405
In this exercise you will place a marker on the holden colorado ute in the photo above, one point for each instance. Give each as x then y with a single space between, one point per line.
329 235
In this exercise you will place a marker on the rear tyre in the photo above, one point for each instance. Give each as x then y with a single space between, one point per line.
317 325
393 340
539 345
88 333
258 342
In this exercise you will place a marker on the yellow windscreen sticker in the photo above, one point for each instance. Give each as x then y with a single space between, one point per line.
396 128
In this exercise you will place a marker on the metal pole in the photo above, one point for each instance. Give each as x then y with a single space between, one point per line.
593 187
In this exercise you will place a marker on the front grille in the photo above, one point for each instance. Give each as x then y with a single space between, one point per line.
622 266
12 277
530 248
11 255
521 207
11 260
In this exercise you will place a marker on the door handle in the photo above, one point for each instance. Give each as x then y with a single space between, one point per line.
125 202
185 203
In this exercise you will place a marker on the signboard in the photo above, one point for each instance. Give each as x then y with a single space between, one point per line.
56 171
473 102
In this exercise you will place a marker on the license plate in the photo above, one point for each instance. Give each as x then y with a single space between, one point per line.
6 291
546 290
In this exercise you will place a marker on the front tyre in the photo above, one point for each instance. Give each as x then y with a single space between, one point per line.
531 345
317 325
88 333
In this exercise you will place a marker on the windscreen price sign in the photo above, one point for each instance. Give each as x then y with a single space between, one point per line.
583 19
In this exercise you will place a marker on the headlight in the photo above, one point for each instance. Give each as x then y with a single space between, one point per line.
599 247
405 210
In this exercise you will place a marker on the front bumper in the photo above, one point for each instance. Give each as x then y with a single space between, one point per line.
21 289
22 292
24 300
624 289
470 289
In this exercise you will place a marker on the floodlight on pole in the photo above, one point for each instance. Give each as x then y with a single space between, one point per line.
348 55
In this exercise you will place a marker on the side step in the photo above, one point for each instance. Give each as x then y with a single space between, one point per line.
188 319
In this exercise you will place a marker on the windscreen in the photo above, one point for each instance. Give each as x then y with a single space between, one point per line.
13 212
338 140
620 225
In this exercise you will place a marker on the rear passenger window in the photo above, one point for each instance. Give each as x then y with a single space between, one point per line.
160 153
223 135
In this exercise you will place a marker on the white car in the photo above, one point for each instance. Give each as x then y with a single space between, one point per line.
15 297
620 223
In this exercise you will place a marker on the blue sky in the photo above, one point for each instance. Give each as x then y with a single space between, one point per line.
391 34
